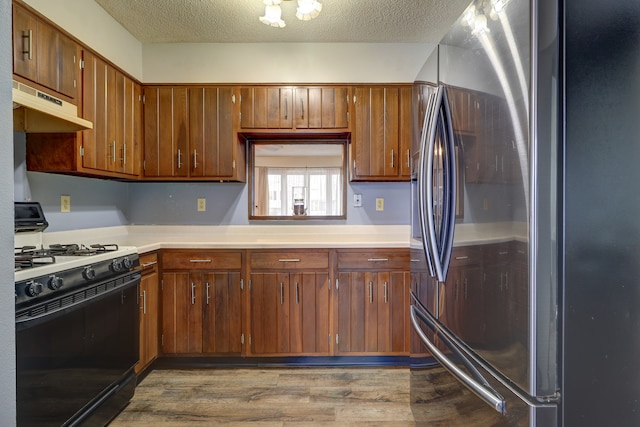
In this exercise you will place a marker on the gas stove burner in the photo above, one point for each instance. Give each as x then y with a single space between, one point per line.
30 260
81 250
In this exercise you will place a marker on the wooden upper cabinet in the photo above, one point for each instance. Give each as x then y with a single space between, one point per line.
190 134
112 102
299 107
165 132
381 133
44 55
214 149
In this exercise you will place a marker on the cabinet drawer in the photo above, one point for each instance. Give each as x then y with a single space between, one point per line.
289 260
465 255
374 259
201 260
149 263
498 252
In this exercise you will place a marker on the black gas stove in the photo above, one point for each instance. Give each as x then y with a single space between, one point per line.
76 326
49 272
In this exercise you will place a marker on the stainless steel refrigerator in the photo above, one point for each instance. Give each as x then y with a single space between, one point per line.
524 216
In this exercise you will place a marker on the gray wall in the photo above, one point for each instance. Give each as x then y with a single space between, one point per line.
227 204
103 203
7 320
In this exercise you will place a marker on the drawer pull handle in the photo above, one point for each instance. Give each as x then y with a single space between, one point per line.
297 294
144 302
208 297
370 292
193 293
378 259
281 293
149 264
386 294
462 257
503 253
289 260
200 260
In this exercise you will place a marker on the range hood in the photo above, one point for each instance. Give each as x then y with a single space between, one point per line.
35 111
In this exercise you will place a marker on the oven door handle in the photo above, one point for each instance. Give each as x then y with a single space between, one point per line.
480 388
28 322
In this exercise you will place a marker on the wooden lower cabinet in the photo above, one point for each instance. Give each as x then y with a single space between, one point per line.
372 297
149 316
294 306
289 303
202 307
290 313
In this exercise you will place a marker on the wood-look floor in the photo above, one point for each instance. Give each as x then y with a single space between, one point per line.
292 397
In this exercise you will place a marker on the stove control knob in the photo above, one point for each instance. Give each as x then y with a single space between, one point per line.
89 273
116 265
34 289
127 263
55 282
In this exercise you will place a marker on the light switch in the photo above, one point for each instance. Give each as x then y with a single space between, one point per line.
379 204
65 203
202 204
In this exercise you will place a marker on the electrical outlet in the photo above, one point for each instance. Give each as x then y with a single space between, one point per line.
357 200
379 204
65 203
202 204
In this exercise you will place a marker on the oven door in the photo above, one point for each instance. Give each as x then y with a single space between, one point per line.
74 359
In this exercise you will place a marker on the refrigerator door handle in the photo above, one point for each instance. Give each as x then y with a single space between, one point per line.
441 244
427 129
451 174
481 389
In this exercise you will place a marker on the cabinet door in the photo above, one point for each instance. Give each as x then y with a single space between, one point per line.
149 298
424 287
266 108
131 139
357 313
47 55
222 322
212 139
94 108
25 48
405 132
309 313
375 138
321 107
165 132
395 306
270 313
372 312
68 54
126 105
181 313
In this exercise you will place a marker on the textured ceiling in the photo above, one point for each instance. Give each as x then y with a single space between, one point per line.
236 21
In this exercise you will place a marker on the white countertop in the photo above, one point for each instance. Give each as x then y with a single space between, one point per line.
152 237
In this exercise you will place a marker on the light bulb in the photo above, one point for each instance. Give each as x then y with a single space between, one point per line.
272 16
308 9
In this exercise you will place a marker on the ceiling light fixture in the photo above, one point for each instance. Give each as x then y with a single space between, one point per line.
306 11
